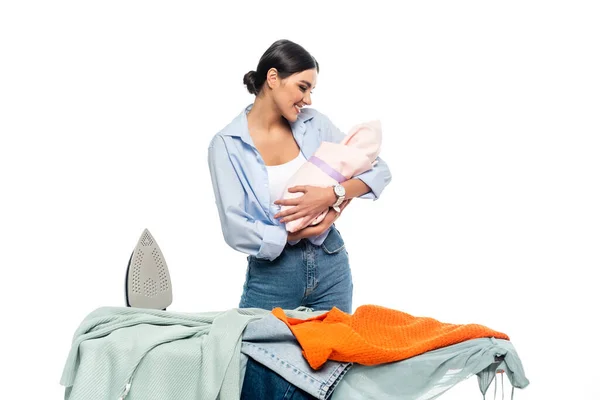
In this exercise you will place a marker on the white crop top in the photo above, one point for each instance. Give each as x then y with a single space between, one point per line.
279 176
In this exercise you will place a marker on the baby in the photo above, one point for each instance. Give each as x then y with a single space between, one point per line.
335 163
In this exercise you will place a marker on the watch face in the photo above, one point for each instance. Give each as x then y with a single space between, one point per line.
339 190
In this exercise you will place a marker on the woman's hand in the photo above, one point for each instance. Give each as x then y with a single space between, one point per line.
313 202
321 227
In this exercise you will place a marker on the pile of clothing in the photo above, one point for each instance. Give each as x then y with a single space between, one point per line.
375 353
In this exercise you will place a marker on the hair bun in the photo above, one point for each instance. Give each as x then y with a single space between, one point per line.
250 82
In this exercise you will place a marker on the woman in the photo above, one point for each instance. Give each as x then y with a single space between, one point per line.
250 162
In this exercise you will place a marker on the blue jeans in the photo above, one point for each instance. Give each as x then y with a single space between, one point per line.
317 277
260 383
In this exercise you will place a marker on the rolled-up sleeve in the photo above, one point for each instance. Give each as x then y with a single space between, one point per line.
241 230
376 178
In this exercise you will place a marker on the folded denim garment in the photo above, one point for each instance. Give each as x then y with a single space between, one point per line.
270 342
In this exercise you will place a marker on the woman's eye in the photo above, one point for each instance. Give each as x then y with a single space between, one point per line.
303 88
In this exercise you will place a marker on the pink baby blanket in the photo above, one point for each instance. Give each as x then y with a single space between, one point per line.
335 163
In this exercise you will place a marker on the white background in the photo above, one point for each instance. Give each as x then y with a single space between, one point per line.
491 124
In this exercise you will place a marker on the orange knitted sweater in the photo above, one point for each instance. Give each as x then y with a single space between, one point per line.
375 335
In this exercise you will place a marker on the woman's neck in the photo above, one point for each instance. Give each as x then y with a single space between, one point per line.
264 116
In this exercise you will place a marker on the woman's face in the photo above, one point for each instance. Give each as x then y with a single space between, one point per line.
293 93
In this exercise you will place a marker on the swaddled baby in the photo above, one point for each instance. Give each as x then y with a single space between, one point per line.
335 163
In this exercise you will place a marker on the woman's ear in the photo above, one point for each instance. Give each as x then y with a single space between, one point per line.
273 78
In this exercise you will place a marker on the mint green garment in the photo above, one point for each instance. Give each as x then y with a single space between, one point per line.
431 374
199 354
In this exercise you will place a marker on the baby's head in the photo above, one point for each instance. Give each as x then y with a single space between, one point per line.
367 137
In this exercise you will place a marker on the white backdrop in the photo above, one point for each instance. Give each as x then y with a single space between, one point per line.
491 130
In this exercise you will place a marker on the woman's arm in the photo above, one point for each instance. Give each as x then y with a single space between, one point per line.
316 199
240 230
320 228
354 188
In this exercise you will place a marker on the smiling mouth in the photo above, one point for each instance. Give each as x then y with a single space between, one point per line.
297 107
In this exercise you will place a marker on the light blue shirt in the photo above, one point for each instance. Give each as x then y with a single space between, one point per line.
241 183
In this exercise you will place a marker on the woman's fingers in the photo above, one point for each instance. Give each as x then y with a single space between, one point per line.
293 217
288 202
296 189
300 214
285 213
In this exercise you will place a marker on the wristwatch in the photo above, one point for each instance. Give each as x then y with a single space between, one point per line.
340 192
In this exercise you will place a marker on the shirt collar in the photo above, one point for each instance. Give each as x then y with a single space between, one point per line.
240 125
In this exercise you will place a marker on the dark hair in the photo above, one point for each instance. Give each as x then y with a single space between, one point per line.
285 56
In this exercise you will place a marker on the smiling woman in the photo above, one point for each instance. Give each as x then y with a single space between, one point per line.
252 159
